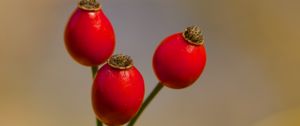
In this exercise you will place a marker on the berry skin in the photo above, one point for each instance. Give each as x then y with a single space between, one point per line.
118 91
180 58
89 35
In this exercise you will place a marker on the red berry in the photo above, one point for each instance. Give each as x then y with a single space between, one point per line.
180 58
89 35
118 91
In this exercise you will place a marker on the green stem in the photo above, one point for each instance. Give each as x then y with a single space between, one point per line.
99 123
154 92
94 72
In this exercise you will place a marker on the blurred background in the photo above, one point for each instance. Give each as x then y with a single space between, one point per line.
251 77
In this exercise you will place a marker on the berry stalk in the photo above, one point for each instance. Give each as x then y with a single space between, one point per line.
154 92
94 72
99 123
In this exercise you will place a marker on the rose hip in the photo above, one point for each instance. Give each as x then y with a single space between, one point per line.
118 91
180 58
89 35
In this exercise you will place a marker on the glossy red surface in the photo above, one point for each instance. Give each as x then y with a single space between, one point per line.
117 94
177 63
89 37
